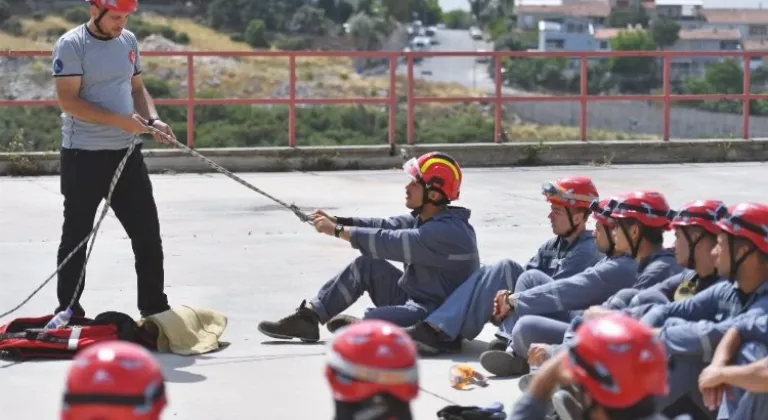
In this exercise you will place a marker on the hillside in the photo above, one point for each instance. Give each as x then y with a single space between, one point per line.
26 78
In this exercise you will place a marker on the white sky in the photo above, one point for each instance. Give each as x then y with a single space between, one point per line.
713 4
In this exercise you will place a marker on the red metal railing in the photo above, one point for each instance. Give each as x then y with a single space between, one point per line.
412 100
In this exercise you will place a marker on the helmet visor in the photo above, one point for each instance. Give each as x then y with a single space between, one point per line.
411 167
557 193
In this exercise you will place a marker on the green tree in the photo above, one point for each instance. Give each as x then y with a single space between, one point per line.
634 74
5 11
457 19
477 7
665 32
309 20
256 34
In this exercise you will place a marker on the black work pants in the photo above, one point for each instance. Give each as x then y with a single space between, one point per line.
85 179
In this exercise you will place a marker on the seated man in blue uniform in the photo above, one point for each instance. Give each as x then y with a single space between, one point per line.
572 250
435 242
548 306
617 364
735 384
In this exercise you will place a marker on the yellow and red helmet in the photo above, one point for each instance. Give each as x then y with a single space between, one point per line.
438 171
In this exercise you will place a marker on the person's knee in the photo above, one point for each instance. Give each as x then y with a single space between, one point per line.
621 299
649 297
750 352
522 334
530 279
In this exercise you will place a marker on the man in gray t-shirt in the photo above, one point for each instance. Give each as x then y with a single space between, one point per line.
97 73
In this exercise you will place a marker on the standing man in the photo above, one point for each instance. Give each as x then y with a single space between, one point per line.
97 71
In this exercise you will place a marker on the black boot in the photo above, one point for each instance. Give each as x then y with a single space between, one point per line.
432 342
303 324
340 321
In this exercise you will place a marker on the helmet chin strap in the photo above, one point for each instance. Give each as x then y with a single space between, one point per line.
96 21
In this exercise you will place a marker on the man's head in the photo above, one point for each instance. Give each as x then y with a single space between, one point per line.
619 365
435 181
114 380
601 211
641 218
742 244
696 230
371 367
111 16
569 200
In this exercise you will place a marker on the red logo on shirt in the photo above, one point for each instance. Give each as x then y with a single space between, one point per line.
132 56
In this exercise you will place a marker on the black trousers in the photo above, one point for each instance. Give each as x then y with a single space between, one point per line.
85 180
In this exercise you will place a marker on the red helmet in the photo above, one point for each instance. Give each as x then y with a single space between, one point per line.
115 380
372 357
748 221
122 6
702 213
437 171
618 360
650 208
601 211
572 191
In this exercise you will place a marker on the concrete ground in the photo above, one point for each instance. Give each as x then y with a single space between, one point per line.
234 251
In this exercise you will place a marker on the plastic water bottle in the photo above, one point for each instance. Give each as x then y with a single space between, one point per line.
60 320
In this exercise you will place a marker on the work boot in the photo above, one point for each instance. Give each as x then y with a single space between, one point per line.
303 324
340 321
566 406
431 341
503 364
498 344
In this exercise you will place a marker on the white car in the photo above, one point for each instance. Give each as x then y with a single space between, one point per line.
476 33
483 58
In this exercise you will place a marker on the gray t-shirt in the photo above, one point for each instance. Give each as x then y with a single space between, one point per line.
106 67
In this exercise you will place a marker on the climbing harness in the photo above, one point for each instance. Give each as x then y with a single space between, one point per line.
107 202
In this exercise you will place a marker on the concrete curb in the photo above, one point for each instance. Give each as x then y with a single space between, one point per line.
278 159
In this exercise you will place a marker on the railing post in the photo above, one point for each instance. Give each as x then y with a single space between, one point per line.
292 101
190 99
747 92
666 77
584 90
411 104
499 100
392 100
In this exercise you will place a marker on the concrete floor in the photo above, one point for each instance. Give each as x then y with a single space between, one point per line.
234 251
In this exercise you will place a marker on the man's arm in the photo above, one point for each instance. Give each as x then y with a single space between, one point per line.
404 221
68 77
590 287
752 377
142 100
429 246
700 306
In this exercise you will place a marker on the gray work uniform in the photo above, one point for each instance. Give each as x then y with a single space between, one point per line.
692 328
437 256
106 67
538 294
656 268
469 308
